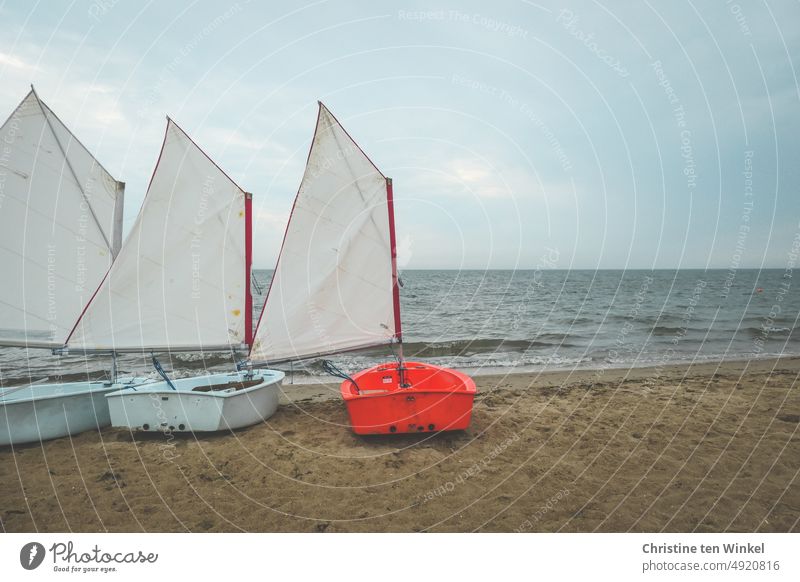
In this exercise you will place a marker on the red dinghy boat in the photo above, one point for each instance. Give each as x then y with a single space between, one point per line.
336 289
427 399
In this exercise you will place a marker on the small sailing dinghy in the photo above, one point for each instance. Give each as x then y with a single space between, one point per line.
336 289
60 228
181 282
408 397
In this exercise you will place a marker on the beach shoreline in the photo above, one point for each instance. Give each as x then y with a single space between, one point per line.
322 389
711 447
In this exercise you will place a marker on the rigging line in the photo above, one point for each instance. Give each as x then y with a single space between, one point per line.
256 284
333 370
72 170
394 354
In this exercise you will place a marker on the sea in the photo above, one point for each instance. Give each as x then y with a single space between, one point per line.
500 321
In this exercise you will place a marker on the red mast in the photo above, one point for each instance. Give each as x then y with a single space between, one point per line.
248 260
398 332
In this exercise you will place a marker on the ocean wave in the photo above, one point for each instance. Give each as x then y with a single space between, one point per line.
757 331
481 346
193 360
674 330
352 364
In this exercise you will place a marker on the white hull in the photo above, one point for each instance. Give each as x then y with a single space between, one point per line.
40 412
157 407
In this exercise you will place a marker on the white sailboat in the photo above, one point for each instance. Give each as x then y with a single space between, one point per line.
181 282
60 228
334 286
336 289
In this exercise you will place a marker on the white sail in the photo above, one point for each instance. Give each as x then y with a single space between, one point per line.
180 281
60 214
334 287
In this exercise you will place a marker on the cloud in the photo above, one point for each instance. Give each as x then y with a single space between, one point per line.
458 178
476 179
268 218
15 62
481 156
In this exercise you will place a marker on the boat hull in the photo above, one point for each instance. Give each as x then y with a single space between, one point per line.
42 412
158 408
437 399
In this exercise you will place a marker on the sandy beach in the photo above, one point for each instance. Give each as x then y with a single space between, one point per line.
709 447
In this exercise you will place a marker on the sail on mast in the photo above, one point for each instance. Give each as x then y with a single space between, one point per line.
181 280
60 215
335 283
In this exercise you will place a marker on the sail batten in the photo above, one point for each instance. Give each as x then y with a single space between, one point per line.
58 210
332 287
180 279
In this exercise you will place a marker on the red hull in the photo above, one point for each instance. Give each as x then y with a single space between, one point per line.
437 399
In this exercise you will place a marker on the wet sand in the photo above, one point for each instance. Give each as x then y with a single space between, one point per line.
711 447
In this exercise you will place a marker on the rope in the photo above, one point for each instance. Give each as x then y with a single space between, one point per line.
333 370
162 373
394 354
400 368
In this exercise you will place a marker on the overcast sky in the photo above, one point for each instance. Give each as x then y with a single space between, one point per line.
618 137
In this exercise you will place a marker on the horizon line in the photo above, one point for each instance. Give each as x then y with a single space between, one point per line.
780 268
